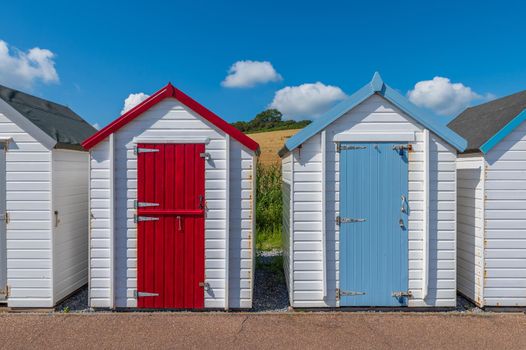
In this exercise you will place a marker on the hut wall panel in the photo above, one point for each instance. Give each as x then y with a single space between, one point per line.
505 283
470 230
374 115
28 234
70 234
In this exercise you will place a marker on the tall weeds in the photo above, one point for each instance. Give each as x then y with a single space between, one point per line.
268 206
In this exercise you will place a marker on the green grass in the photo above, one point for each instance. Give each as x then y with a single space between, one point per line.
268 207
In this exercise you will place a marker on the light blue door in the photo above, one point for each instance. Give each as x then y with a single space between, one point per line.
373 224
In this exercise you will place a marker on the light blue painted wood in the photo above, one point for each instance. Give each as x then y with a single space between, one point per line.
505 131
377 86
374 253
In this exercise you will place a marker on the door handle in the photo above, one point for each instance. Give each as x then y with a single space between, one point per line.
401 223
179 223
403 208
202 202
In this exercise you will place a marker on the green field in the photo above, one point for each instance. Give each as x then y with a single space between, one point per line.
268 207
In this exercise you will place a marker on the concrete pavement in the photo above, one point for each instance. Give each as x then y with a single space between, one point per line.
336 330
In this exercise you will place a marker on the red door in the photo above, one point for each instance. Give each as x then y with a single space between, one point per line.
170 226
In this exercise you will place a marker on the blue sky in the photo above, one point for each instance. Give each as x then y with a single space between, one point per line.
94 54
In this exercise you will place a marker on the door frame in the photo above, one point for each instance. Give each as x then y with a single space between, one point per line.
179 140
4 291
350 140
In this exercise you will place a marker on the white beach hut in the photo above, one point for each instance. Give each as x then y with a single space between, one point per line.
492 202
43 201
172 204
369 194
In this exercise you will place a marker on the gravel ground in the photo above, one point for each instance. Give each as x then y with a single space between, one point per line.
270 291
77 302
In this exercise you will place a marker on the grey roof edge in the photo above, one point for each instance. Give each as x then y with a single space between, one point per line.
53 124
488 123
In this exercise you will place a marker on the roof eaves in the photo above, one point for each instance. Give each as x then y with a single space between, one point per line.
376 85
426 120
502 133
329 117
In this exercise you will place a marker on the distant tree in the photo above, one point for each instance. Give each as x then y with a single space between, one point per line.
269 120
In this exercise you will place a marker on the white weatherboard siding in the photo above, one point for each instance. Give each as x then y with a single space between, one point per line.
505 213
170 120
70 232
470 227
374 115
286 174
242 235
99 247
28 202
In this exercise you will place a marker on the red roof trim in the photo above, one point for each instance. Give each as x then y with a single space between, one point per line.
170 91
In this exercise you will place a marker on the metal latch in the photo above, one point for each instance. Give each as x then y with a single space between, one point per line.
205 155
138 218
138 204
137 294
138 150
401 294
340 147
340 220
205 285
4 292
347 293
401 148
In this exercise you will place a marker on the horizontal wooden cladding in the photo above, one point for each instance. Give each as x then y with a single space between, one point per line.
373 115
505 219
165 119
28 201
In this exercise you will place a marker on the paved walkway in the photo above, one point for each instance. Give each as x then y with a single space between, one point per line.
261 331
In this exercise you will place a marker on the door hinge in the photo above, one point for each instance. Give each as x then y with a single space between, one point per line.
205 285
205 155
6 217
401 148
346 293
4 292
340 147
138 204
402 294
340 220
137 294
138 218
138 150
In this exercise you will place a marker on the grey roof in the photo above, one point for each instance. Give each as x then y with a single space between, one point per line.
480 123
58 121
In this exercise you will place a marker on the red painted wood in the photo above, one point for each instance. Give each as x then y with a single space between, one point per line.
170 258
171 212
167 92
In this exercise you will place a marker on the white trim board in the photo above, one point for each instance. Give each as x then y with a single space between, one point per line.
204 140
375 137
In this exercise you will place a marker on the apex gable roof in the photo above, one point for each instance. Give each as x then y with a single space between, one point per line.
375 86
60 123
485 125
166 92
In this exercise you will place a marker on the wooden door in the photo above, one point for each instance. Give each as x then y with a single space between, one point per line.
170 226
373 224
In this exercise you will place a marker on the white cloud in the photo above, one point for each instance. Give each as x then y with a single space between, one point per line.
306 100
22 69
442 96
133 100
244 74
